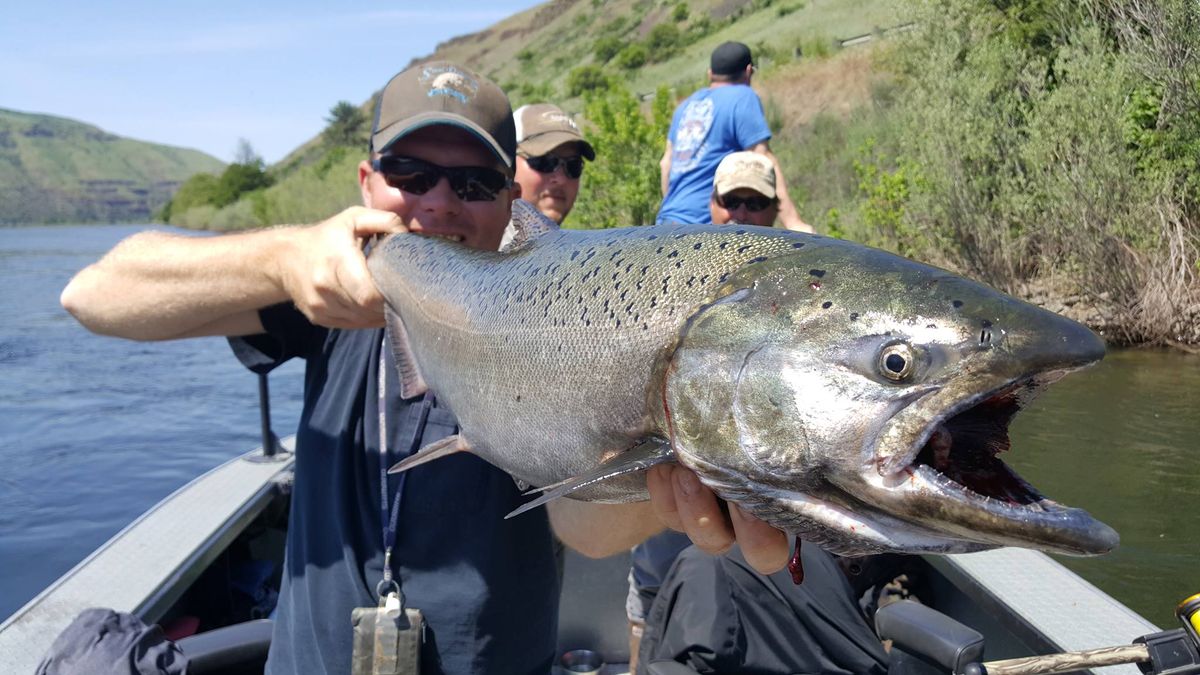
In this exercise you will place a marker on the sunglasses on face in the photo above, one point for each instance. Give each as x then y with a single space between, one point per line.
415 176
572 166
752 204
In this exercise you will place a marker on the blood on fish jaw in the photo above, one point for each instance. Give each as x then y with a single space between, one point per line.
795 565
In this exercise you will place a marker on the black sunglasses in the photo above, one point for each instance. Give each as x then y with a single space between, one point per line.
752 204
416 176
572 166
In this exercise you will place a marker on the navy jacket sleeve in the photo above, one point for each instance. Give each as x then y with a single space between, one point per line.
287 334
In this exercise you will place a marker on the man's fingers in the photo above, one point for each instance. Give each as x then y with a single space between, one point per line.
355 282
765 548
700 511
662 495
367 222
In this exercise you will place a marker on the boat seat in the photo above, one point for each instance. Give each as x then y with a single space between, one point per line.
241 647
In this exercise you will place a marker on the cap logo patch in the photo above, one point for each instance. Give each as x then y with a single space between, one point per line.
559 118
449 81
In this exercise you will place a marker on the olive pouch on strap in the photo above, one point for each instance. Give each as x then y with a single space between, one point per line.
387 639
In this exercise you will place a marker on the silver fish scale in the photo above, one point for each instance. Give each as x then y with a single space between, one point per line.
539 351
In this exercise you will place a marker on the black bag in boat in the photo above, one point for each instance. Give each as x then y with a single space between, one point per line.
715 614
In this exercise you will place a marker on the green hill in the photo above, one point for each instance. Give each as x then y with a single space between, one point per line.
56 170
544 54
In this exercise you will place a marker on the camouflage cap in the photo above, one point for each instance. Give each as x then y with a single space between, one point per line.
745 170
542 127
440 92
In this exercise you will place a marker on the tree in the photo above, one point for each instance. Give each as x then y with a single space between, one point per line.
245 153
622 186
347 126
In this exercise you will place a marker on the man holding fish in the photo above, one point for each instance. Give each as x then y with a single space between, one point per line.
441 164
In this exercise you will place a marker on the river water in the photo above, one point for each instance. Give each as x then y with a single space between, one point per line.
95 430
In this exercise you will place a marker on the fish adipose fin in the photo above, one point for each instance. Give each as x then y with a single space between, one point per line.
638 458
412 384
527 224
435 450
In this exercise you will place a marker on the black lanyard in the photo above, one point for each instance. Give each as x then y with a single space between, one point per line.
389 520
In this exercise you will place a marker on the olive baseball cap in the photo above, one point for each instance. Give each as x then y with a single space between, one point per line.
542 127
745 170
441 92
730 58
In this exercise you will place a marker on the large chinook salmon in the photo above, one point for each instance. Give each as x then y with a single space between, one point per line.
843 394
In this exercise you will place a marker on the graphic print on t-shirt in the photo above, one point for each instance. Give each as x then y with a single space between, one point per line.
694 122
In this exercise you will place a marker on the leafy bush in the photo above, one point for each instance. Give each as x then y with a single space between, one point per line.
606 48
1046 151
622 187
633 56
584 79
680 13
664 39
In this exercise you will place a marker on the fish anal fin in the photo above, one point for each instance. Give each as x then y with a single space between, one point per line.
412 383
640 457
435 450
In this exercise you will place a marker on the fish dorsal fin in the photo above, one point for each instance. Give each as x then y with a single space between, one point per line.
526 225
640 457
412 383
435 450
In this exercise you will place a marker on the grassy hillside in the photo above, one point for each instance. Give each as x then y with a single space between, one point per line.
55 170
532 54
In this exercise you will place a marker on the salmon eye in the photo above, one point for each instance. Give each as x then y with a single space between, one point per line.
896 361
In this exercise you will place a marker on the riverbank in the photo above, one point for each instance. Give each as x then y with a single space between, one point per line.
1120 324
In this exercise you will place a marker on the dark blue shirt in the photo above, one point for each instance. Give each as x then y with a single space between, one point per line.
487 586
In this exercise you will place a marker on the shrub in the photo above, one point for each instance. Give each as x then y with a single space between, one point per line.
664 39
633 56
622 187
606 48
584 79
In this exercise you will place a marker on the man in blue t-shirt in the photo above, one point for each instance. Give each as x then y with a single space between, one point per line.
722 118
441 163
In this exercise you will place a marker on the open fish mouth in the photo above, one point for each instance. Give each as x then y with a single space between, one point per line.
955 461
963 448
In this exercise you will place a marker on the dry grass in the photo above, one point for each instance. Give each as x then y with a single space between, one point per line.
805 89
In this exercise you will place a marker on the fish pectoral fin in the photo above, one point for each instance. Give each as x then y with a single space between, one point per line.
640 457
412 383
435 450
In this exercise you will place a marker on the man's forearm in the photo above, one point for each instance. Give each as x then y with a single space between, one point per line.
788 215
599 530
157 286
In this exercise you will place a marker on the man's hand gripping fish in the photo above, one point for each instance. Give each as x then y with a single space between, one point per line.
848 396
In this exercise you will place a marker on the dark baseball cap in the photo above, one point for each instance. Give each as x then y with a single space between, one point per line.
730 58
441 92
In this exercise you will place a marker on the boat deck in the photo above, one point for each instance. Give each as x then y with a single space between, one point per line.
172 541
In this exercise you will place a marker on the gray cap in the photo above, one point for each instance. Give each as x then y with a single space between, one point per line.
440 92
542 127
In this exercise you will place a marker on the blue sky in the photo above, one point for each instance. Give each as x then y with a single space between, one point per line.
205 74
